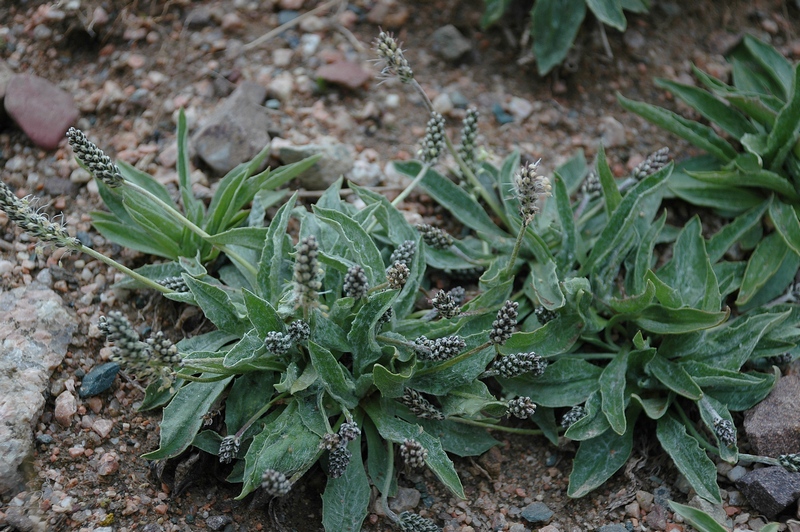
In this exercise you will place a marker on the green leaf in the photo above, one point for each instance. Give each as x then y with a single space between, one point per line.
726 237
217 307
247 237
183 417
665 320
377 458
786 224
545 283
612 392
158 393
440 381
566 382
597 459
335 379
786 131
492 11
271 272
690 459
262 315
634 304
554 25
738 391
698 134
774 64
674 377
130 236
756 178
553 338
697 518
362 333
608 12
193 207
358 246
345 502
248 348
712 108
591 425
709 409
391 385
655 407
457 438
569 236
763 264
611 193
242 403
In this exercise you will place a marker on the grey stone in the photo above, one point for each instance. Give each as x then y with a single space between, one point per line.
736 473
337 160
716 511
405 501
218 522
657 518
770 490
773 425
236 131
198 17
537 512
99 379
42 110
450 44
616 527
33 343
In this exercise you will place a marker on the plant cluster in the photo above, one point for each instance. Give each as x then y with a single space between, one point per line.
554 24
323 357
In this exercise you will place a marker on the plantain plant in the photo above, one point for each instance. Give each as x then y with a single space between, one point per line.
753 158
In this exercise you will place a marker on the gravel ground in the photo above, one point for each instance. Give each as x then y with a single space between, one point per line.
143 60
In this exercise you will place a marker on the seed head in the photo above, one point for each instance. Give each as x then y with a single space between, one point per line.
299 331
128 347
338 460
349 431
591 185
275 483
330 441
469 133
93 158
386 317
397 275
163 351
574 415
521 407
466 274
420 406
228 449
433 142
306 273
725 431
404 253
411 522
440 348
413 454
544 315
510 366
355 283
392 58
458 294
445 304
503 326
652 164
435 237
21 213
531 187
176 284
278 343
790 462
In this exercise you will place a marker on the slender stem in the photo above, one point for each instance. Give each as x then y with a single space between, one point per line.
381 286
216 378
489 426
515 251
404 194
260 413
395 341
192 227
127 271
387 483
704 443
452 361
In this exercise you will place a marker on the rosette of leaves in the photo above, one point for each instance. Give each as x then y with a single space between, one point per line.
142 214
284 399
627 340
751 135
555 23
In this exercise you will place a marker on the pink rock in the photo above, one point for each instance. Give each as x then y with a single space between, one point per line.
103 427
345 73
66 406
42 110
108 464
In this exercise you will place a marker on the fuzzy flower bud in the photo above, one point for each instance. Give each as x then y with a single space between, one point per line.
394 62
444 303
591 185
338 460
503 326
411 522
355 283
349 431
306 272
530 187
275 483
440 348
435 237
128 347
386 317
458 294
573 416
433 142
469 133
790 462
725 431
330 441
93 158
510 366
404 253
21 213
521 407
164 351
278 343
299 331
544 315
420 406
652 164
228 449
176 284
397 275
413 454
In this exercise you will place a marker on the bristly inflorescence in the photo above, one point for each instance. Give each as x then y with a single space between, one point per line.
163 350
469 133
349 431
544 315
790 462
434 237
433 143
94 159
228 449
652 164
521 407
510 366
404 253
278 343
397 275
391 55
338 460
445 304
591 185
275 483
413 454
725 431
355 283
531 187
176 284
306 273
20 212
503 325
440 348
411 522
419 406
573 416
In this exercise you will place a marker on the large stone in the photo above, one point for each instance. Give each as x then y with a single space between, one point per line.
344 73
99 379
337 160
537 512
770 490
236 131
773 426
450 44
42 110
35 331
